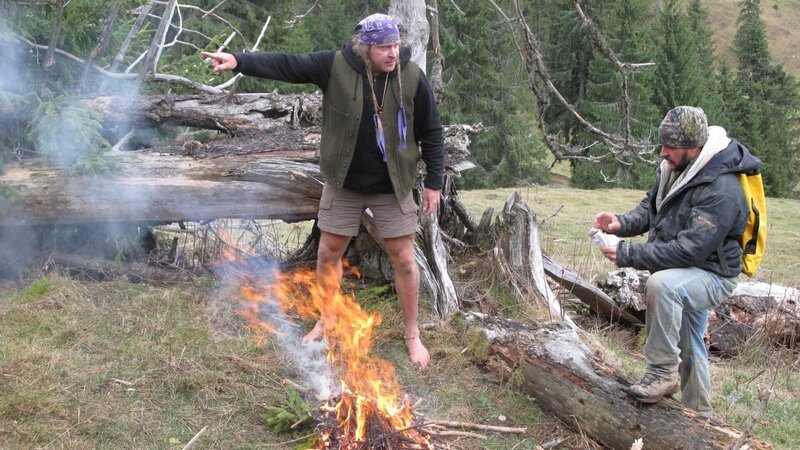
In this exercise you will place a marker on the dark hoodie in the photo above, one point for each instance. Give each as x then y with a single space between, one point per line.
367 173
699 221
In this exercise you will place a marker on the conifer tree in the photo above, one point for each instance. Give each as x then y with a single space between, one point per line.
483 83
768 114
625 24
677 74
700 32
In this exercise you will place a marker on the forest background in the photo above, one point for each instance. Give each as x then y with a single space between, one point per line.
714 54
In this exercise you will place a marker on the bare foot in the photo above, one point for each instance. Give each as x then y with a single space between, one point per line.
417 352
313 335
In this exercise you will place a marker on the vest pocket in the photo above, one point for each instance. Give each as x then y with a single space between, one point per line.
335 132
407 205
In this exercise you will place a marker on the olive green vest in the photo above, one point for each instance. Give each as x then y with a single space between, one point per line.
342 106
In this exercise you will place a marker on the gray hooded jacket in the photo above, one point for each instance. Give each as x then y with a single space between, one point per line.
700 220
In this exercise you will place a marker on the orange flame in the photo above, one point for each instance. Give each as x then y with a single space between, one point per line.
368 383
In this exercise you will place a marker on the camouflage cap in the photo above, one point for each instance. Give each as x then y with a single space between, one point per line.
684 127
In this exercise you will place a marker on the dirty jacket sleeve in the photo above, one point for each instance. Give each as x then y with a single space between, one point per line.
690 235
637 220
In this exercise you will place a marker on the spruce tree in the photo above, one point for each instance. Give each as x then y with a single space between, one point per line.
625 25
767 116
484 83
677 78
700 32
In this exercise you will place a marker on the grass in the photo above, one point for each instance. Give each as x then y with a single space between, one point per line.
117 364
781 20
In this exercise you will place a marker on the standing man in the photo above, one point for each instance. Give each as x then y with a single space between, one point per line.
379 118
694 215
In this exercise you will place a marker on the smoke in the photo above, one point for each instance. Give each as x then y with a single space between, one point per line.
309 359
15 79
51 120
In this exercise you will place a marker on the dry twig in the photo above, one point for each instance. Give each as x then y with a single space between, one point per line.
476 426
764 396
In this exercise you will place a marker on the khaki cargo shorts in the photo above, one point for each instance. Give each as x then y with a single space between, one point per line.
340 212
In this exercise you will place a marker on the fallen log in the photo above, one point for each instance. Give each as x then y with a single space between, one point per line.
754 310
166 188
271 174
232 114
592 296
551 363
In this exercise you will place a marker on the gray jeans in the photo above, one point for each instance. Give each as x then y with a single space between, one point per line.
678 301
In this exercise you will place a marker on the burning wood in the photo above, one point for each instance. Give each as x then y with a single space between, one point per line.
365 406
354 422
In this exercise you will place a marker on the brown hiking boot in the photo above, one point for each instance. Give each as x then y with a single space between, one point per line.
652 388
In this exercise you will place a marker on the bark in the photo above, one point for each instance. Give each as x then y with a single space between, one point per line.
411 15
230 114
167 188
551 363
519 255
754 310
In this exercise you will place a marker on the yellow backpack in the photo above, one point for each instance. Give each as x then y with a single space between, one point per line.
754 239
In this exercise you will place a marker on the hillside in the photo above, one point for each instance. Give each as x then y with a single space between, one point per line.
782 21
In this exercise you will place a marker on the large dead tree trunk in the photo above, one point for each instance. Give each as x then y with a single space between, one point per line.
754 310
411 14
232 114
551 363
167 188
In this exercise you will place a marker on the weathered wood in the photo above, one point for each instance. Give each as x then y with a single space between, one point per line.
590 295
551 363
753 310
167 188
228 113
432 256
519 253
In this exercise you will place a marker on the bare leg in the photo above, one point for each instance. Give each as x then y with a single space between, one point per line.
406 283
329 271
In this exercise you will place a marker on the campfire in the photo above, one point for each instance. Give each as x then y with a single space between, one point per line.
365 407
